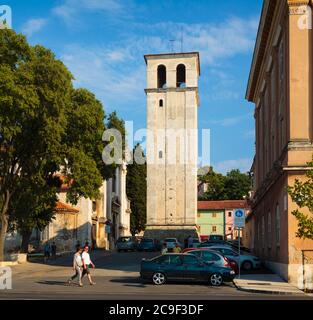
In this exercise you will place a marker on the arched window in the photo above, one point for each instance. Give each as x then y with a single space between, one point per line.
161 76
181 76
161 103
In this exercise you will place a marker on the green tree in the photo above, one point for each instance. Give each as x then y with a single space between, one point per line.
45 127
237 185
234 186
34 93
136 186
302 194
33 206
215 185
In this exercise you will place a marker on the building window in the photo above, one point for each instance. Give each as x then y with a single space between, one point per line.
229 214
214 215
160 154
161 76
181 76
277 225
199 215
229 228
214 229
161 103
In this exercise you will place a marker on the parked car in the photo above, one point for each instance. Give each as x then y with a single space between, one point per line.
171 243
147 244
213 256
246 260
184 267
216 237
208 244
126 244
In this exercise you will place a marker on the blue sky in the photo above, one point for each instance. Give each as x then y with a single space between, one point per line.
103 43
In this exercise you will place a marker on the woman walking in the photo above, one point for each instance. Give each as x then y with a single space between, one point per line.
77 266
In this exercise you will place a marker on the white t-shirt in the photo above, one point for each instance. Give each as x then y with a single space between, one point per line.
86 258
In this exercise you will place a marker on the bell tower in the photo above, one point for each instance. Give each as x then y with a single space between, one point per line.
172 144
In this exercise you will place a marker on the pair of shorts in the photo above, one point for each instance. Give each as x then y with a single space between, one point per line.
87 270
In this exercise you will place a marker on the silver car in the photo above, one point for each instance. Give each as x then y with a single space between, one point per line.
171 243
246 261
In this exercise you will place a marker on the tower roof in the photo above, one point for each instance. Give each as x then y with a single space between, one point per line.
174 54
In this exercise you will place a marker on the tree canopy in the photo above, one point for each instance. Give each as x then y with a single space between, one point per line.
234 186
46 127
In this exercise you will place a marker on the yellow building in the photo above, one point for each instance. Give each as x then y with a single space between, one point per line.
280 86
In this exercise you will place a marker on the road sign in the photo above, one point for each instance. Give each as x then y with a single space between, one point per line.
239 218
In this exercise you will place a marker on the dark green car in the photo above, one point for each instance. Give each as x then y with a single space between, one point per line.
184 267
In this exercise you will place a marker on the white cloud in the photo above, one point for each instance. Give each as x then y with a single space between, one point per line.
214 41
33 25
72 11
113 81
227 122
243 165
116 73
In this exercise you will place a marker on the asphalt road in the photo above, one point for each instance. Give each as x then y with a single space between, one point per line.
117 277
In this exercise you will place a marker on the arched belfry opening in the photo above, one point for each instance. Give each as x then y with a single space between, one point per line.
161 76
181 76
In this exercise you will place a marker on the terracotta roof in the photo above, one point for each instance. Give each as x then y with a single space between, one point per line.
224 204
64 185
63 207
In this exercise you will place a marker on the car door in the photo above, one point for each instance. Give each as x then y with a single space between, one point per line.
194 268
175 269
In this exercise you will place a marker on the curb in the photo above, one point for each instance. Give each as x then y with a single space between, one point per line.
281 293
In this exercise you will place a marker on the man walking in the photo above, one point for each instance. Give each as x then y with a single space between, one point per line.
53 250
190 242
46 250
87 263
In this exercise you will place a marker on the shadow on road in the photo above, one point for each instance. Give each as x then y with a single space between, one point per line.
53 283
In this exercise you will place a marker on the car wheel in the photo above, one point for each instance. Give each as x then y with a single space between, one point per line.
216 279
158 278
247 265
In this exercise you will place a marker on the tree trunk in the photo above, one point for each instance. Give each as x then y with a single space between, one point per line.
25 241
3 232
4 222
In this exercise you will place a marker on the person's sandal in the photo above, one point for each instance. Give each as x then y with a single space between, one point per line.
92 283
81 285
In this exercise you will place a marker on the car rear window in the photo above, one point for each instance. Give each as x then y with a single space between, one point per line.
209 256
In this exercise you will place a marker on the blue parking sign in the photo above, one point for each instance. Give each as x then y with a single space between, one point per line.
239 218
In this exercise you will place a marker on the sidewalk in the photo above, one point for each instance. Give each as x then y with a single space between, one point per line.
265 283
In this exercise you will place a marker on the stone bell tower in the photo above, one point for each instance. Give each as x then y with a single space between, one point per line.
172 144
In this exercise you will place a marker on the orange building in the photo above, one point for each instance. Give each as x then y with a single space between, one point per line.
280 85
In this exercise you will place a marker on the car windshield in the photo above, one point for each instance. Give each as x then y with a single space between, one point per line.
170 240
